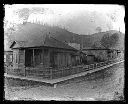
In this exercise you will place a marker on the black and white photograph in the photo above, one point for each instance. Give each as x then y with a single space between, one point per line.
64 52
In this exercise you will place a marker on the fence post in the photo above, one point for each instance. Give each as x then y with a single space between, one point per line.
89 67
92 66
96 65
24 64
33 59
50 72
24 72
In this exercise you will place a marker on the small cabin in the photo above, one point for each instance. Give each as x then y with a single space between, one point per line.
37 53
45 55
101 54
90 59
87 58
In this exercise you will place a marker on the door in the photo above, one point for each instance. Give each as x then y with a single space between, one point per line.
29 58
52 63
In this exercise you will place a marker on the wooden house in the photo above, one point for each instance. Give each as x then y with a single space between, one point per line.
42 56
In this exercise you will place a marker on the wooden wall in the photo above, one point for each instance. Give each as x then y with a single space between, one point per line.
90 59
65 59
47 61
15 58
100 54
8 57
21 62
44 57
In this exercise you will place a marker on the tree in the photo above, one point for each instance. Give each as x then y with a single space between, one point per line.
98 29
9 29
23 14
105 41
114 39
96 45
109 41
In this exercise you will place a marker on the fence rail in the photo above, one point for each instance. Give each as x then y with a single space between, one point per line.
79 69
56 73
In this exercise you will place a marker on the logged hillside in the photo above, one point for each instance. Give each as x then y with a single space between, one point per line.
115 39
30 31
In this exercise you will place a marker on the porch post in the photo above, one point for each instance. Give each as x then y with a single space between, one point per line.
24 64
51 68
33 59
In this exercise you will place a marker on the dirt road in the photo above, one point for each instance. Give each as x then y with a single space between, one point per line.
106 84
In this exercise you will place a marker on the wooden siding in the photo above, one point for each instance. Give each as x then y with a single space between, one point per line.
90 59
43 62
15 58
8 58
43 57
21 59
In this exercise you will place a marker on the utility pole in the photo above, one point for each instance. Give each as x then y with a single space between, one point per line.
82 42
119 29
81 46
73 39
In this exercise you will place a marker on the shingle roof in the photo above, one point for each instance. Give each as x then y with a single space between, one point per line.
30 35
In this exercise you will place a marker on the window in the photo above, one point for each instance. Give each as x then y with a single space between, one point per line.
4 58
10 58
15 57
21 58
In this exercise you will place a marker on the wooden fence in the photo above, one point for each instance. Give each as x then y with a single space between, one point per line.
52 73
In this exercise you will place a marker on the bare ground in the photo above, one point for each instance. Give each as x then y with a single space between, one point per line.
107 84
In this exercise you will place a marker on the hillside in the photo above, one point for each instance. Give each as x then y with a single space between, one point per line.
96 38
34 31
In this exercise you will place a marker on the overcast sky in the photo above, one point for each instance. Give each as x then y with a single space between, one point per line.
77 18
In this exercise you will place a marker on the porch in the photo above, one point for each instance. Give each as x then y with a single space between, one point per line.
47 63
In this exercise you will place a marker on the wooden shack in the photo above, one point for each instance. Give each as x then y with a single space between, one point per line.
43 56
90 59
101 54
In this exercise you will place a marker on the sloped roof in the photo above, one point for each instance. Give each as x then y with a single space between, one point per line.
31 35
94 48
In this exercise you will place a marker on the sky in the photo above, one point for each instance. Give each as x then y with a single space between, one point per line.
77 18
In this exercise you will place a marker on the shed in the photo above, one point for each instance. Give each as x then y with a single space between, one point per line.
101 54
